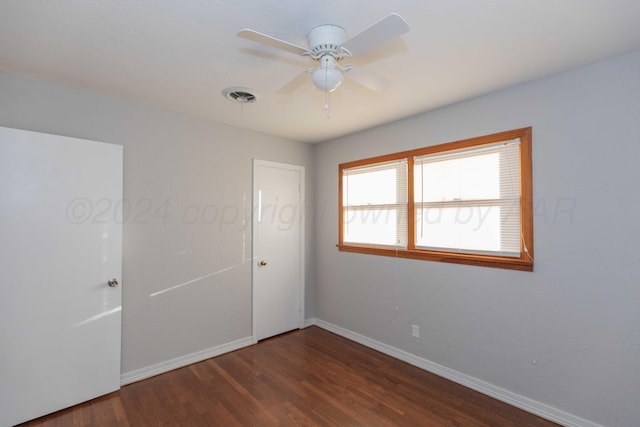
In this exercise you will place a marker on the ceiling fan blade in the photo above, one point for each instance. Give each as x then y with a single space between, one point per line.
389 28
272 41
294 84
368 79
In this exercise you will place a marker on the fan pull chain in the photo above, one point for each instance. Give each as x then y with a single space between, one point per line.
327 105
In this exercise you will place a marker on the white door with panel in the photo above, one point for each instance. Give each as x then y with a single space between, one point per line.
61 264
278 248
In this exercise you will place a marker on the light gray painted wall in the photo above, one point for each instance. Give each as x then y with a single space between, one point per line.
578 314
177 172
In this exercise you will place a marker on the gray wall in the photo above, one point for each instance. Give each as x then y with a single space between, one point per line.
577 316
177 172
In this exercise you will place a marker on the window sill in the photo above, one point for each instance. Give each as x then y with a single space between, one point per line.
522 264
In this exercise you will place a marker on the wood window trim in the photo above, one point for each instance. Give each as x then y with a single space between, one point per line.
522 263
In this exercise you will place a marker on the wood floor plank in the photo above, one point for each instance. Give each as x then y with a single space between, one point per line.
308 377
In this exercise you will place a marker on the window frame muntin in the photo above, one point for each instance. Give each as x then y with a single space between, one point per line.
523 263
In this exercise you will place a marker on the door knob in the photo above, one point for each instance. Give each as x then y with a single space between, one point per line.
112 283
263 263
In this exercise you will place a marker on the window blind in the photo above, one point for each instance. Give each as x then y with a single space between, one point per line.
468 201
374 199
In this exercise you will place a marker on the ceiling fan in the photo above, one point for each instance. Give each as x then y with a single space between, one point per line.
328 46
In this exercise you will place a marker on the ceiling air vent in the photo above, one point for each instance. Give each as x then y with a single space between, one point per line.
241 95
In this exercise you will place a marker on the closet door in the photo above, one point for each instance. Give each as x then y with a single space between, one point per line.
60 267
278 248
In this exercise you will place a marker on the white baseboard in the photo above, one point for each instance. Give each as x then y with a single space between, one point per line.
309 322
522 402
179 362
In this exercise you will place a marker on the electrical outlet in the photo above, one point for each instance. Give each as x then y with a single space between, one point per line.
415 331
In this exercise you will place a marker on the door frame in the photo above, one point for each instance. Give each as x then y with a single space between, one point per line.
257 163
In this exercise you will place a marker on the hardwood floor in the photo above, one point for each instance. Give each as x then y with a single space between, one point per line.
308 377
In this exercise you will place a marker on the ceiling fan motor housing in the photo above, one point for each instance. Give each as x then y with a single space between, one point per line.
327 39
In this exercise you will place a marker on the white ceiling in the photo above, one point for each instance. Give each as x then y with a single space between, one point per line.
180 54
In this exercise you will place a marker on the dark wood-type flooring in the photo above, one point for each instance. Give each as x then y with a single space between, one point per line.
308 377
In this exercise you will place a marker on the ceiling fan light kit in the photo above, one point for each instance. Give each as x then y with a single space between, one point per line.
328 46
325 42
328 76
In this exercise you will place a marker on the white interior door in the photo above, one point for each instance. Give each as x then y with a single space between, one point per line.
278 248
61 228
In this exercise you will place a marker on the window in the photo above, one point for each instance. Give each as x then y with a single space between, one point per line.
374 198
467 201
